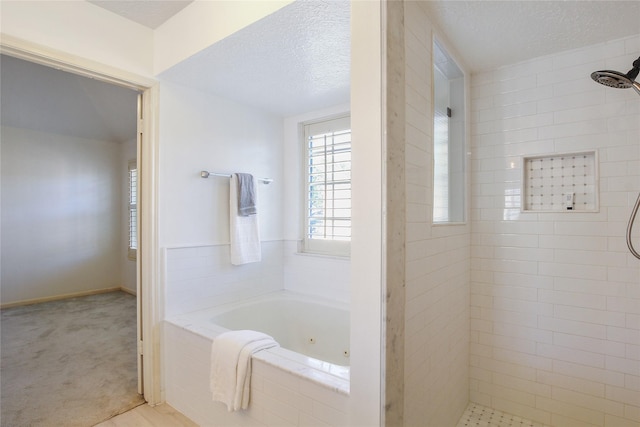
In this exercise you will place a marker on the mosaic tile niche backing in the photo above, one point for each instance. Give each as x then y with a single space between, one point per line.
560 182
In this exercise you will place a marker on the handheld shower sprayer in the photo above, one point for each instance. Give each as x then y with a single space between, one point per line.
618 80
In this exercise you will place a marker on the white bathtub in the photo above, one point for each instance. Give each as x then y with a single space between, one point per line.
313 328
310 366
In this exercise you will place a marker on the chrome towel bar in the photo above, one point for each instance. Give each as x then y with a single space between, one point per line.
205 174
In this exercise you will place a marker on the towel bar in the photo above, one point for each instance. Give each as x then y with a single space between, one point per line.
205 174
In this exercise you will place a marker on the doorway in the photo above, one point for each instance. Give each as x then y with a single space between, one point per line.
148 299
67 141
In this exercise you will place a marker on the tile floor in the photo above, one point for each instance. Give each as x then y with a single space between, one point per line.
481 416
149 416
164 415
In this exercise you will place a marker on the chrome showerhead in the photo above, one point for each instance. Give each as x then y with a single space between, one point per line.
617 79
612 79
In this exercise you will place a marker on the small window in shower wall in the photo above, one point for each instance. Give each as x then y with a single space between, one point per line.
560 182
449 177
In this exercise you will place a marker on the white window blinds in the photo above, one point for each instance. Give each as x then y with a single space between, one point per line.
328 186
133 209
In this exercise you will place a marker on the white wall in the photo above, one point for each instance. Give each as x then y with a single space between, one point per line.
437 257
204 132
82 29
367 249
61 215
200 131
555 297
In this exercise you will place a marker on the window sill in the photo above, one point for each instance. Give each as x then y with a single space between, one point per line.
327 256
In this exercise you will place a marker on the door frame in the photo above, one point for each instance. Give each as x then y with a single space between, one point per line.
149 297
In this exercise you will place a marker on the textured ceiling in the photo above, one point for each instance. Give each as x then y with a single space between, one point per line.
297 59
49 100
293 61
150 13
487 33
491 34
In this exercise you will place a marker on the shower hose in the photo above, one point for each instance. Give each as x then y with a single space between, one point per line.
630 226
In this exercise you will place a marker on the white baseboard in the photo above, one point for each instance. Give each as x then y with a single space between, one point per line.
129 291
65 296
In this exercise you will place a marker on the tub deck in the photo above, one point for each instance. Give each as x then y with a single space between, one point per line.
332 376
284 390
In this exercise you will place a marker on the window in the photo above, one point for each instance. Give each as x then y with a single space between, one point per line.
328 187
449 177
133 209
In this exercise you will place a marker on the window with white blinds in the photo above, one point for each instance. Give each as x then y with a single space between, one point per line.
133 209
328 187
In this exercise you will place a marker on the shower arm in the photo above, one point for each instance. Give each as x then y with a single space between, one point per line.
633 73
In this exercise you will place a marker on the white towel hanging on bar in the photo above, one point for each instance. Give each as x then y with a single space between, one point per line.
243 231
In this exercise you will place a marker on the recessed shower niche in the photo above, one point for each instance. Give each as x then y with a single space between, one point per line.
560 182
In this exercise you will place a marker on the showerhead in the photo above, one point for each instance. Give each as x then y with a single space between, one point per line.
612 79
617 79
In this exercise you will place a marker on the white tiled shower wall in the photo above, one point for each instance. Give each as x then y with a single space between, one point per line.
436 341
555 297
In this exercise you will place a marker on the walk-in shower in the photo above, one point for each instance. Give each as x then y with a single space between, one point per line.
619 80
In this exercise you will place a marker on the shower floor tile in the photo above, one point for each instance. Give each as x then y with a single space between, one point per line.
481 416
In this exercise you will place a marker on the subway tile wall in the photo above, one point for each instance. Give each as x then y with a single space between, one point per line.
324 276
200 277
437 271
555 297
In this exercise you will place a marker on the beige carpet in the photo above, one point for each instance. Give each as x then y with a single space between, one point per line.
68 363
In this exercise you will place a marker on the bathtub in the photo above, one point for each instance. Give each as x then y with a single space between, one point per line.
304 381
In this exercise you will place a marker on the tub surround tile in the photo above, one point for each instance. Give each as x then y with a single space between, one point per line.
333 377
278 397
202 277
287 388
199 323
322 276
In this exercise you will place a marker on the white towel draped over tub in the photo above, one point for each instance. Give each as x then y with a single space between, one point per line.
243 234
231 365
